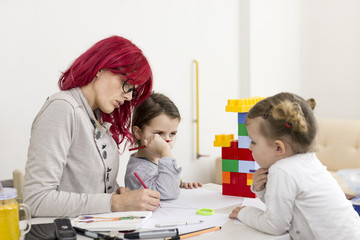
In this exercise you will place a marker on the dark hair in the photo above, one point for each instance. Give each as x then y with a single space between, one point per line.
152 107
287 115
120 56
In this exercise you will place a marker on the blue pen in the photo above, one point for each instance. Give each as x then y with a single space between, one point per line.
173 232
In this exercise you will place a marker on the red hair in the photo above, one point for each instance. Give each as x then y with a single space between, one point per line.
120 56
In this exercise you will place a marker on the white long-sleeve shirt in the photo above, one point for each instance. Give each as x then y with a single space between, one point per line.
163 177
72 163
302 197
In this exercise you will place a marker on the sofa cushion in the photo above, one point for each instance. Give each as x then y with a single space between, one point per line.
338 143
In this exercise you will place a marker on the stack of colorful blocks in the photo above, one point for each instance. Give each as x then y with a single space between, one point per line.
238 165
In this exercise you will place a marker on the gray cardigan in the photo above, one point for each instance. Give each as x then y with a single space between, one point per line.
72 161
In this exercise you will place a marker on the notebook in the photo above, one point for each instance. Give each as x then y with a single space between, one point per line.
120 221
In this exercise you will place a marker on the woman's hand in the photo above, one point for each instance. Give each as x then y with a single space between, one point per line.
122 190
137 200
260 179
235 212
191 185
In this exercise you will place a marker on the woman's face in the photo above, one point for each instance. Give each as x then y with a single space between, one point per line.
109 93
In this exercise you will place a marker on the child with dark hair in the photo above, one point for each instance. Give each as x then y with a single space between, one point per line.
300 195
155 123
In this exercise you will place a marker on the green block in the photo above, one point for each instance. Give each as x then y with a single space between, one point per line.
242 130
230 165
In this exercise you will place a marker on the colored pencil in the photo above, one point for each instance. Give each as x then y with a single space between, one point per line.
195 233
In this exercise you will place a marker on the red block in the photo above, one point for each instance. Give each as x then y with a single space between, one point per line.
234 178
230 152
237 190
245 154
242 178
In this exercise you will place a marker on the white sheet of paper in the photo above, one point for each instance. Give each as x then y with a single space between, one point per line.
190 200
167 214
204 198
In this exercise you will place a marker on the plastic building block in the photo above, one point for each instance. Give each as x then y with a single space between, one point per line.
243 178
249 177
241 105
234 178
245 154
244 142
238 164
242 131
247 166
237 190
230 165
242 117
223 140
226 177
230 152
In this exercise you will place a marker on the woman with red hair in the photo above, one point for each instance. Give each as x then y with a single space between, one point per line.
73 156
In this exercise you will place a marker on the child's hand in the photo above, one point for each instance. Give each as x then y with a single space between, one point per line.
158 146
260 179
191 185
235 212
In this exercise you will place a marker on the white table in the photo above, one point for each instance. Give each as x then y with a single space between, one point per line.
233 229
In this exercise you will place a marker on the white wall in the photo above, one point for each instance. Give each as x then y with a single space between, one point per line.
310 47
40 38
245 48
274 47
330 56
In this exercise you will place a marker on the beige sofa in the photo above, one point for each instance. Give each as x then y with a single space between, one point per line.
338 143
338 147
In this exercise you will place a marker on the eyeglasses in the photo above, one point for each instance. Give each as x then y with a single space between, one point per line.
126 87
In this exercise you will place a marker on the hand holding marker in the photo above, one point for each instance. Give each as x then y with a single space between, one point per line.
141 181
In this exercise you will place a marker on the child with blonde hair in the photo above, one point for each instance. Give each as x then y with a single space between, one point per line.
155 125
300 195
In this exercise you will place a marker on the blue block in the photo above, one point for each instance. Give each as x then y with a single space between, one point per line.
241 117
244 142
248 166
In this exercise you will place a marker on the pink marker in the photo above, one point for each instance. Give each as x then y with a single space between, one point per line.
140 180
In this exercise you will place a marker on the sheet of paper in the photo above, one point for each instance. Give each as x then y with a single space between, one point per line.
190 200
167 214
204 198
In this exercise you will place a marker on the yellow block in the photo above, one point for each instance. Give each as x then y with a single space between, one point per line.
242 105
249 178
223 140
249 182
